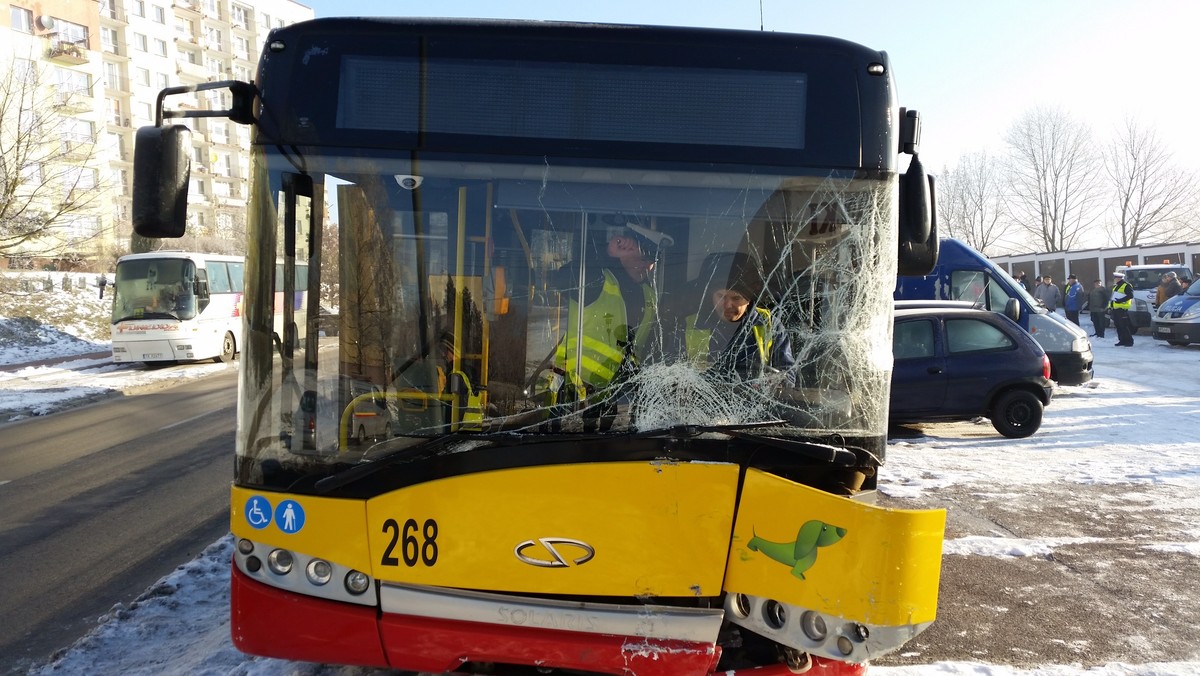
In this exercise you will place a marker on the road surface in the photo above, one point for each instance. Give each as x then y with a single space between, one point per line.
98 503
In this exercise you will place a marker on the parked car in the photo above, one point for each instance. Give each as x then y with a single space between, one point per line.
1177 320
958 363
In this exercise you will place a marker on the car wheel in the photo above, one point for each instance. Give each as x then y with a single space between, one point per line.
228 349
1017 414
361 437
1177 343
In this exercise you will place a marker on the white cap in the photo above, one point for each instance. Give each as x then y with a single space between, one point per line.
659 239
1118 273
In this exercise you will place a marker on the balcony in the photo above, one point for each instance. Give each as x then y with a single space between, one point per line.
111 12
187 5
191 70
73 100
76 150
69 52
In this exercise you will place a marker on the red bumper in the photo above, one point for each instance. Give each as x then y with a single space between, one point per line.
276 623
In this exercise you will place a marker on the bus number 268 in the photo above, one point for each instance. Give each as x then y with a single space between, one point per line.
416 543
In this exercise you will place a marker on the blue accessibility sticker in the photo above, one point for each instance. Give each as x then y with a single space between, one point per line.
289 516
258 512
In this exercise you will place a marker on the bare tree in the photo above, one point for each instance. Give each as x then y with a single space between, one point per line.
969 201
1153 196
1053 178
49 188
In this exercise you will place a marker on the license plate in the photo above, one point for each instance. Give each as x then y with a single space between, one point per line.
1163 330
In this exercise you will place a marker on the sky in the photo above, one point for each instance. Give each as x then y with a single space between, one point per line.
180 625
970 68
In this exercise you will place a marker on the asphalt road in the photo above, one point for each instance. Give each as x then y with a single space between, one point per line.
98 503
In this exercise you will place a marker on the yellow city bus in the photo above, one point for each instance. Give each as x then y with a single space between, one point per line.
617 300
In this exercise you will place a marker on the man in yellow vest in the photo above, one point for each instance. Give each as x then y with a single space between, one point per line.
1119 306
733 333
605 340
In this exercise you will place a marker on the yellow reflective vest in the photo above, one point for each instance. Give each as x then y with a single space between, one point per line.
698 339
605 330
1125 292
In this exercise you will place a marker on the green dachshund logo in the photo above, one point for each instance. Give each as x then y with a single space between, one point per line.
802 553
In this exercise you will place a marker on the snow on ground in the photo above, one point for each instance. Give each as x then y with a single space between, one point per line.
1134 427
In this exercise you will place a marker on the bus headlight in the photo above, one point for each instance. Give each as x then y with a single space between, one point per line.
280 561
357 583
319 572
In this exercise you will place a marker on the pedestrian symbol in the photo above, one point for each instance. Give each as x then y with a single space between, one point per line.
289 516
258 512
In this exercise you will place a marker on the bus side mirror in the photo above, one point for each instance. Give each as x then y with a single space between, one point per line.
918 240
161 168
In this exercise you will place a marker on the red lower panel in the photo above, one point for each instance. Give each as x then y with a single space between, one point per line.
827 667
276 623
425 644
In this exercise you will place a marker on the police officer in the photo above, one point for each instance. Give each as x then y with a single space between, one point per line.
1119 306
619 310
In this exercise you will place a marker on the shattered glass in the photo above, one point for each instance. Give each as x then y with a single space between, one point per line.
502 296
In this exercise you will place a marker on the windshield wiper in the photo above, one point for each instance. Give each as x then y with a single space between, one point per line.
686 430
428 445
813 449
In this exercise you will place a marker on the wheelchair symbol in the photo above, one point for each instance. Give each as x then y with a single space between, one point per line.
258 512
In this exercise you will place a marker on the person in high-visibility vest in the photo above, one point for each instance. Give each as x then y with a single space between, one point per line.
1119 306
619 307
732 332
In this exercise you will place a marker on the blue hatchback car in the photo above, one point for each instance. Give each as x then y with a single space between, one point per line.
957 363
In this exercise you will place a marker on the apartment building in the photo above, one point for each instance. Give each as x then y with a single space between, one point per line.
113 57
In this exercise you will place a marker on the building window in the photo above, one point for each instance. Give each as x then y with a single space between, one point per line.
140 42
239 16
75 130
78 178
143 77
164 81
139 8
24 71
70 33
108 39
73 82
112 76
160 47
160 15
81 227
22 19
241 47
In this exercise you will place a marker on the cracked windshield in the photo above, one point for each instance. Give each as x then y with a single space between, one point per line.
502 298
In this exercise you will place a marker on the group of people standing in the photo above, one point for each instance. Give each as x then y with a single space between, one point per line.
1101 302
